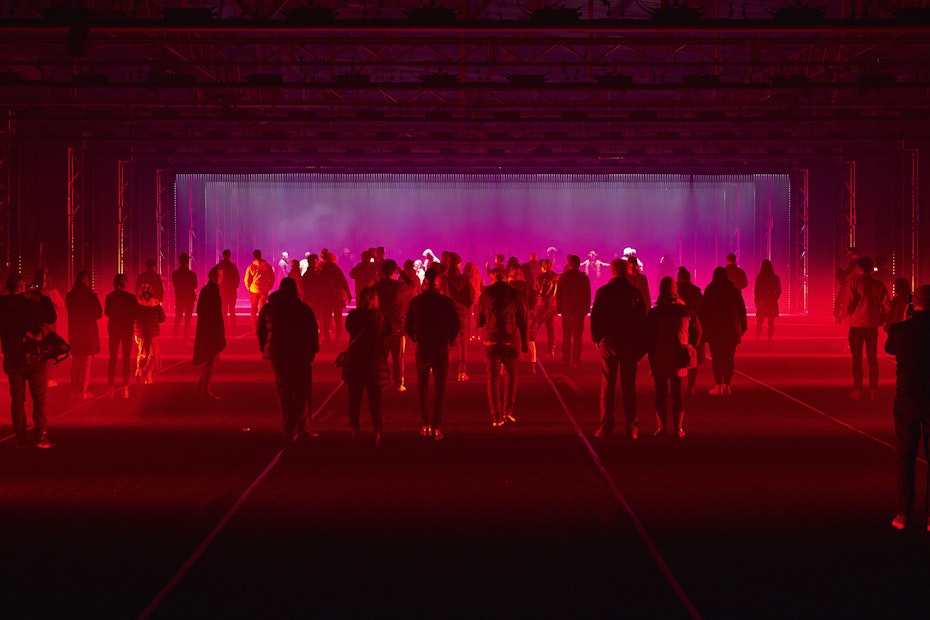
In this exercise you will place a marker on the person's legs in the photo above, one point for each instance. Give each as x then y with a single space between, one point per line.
729 362
17 380
492 363
113 347
423 371
871 354
716 352
759 321
355 403
509 360
771 327
577 337
907 445
37 377
628 365
609 365
566 339
661 385
856 342
374 406
125 343
440 376
254 300
677 404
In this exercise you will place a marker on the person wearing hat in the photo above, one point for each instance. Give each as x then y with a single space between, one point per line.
909 342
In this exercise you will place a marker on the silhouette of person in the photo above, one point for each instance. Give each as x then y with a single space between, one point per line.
909 342
229 285
473 274
288 336
152 279
723 321
458 287
394 292
502 315
336 295
617 327
666 268
735 274
84 310
433 322
185 295
149 316
43 281
573 301
766 292
866 303
671 330
210 334
259 280
365 362
121 308
544 309
23 311
690 293
902 308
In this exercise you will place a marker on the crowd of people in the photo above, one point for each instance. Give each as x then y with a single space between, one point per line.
439 305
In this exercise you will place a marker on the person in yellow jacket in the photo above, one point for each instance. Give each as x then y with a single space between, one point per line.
259 280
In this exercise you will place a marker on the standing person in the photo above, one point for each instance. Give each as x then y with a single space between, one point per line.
909 342
502 315
121 308
43 282
84 310
544 309
637 277
210 335
723 320
336 295
690 293
394 292
295 275
902 307
458 288
365 361
366 272
433 322
666 268
23 312
735 274
312 283
473 274
185 295
617 328
151 278
284 265
259 280
573 301
672 331
866 303
229 285
289 337
766 292
149 317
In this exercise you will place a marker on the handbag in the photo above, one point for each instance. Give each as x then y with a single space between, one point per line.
45 345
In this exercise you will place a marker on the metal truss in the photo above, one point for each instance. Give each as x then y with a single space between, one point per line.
912 209
6 191
849 204
798 291
123 211
164 220
77 213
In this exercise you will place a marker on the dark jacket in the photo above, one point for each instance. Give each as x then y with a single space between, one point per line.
153 280
722 313
335 290
149 316
573 295
433 323
909 342
121 308
393 299
669 326
366 359
210 337
231 278
485 302
185 285
766 292
618 317
83 312
20 314
287 329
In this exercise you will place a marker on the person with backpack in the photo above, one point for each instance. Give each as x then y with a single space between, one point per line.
618 321
502 319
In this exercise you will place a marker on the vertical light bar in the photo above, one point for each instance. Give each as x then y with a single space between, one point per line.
162 218
849 201
6 191
75 211
122 215
802 239
912 165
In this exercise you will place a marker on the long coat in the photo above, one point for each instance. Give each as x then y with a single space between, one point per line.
210 337
366 359
722 313
670 325
84 310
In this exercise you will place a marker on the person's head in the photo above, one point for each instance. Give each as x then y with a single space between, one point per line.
120 282
921 297
431 278
215 275
731 259
720 275
619 267
902 286
367 256
684 275
257 254
226 254
284 255
499 259
288 286
409 264
592 255
573 260
295 264
151 264
389 267
184 259
498 274
514 272
471 269
15 284
313 261
766 267
82 279
866 265
513 263
545 265
532 256
367 298
668 287
852 253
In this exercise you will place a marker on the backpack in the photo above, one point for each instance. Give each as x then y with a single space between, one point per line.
501 320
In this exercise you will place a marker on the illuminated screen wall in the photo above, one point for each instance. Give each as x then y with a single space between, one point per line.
695 219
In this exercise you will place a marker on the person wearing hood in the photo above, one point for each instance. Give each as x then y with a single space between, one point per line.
723 320
210 335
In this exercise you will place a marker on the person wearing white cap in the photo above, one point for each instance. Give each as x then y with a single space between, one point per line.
909 342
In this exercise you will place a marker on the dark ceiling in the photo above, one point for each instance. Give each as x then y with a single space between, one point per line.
584 85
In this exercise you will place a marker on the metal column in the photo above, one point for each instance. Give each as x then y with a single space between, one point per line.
164 219
912 187
76 212
849 203
798 210
122 215
6 192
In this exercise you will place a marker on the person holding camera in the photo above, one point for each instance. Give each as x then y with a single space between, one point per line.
22 314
